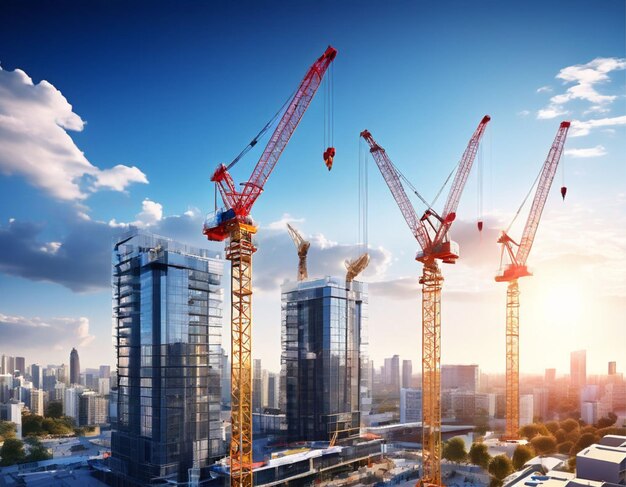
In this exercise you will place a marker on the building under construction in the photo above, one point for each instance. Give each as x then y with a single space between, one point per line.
323 341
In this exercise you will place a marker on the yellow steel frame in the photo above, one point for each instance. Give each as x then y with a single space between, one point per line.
239 252
511 431
431 374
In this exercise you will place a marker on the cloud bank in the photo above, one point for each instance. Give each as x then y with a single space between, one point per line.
34 124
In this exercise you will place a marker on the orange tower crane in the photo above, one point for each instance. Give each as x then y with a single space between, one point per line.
234 222
302 247
431 232
516 269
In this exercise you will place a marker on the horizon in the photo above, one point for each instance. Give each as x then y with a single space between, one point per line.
104 132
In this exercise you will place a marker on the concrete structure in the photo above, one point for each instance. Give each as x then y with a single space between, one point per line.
167 305
462 377
74 368
407 373
321 357
410 405
578 368
605 461
37 402
526 409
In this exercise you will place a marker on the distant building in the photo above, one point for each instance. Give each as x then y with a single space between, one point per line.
104 386
410 405
578 368
12 412
63 375
486 404
37 402
321 328
225 378
612 368
167 305
6 387
20 365
273 381
36 372
74 368
105 372
589 412
526 409
93 409
540 403
71 403
392 375
462 377
550 376
257 386
407 373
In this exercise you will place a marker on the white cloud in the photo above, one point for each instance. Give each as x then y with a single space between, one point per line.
282 223
545 89
596 151
523 113
585 78
580 128
49 333
34 120
550 112
151 213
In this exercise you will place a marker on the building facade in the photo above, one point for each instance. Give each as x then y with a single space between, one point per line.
410 405
167 302
74 368
461 377
321 357
578 368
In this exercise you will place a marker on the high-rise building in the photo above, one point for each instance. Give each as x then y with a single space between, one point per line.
321 327
526 409
407 373
6 387
104 386
225 371
7 365
550 376
578 368
74 368
36 372
410 405
104 372
71 403
62 375
167 302
20 365
37 401
272 390
92 409
392 375
462 377
612 368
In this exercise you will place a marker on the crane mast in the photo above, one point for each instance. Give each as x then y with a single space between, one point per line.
516 269
234 222
431 232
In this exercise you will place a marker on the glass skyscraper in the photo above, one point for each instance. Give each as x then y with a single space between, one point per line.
323 348
167 315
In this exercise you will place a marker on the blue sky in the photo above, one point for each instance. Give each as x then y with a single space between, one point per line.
172 90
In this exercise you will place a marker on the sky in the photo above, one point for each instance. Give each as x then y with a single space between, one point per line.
115 114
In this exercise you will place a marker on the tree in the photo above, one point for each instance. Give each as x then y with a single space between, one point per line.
500 466
521 455
569 425
560 435
529 431
552 426
564 447
479 455
54 409
7 430
37 451
12 452
454 450
583 442
32 425
544 444
610 420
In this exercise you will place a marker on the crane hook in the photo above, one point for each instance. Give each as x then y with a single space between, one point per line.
329 155
563 191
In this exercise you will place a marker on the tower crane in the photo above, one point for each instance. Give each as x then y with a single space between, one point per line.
302 246
517 268
431 232
355 266
234 222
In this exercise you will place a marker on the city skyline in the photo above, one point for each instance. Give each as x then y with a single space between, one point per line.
145 125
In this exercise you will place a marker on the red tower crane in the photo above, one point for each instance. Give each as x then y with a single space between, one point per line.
234 222
431 232
517 268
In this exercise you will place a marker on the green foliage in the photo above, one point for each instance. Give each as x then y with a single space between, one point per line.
552 426
544 444
531 430
610 420
500 466
454 450
521 455
33 425
569 425
479 455
12 452
37 451
564 447
54 410
583 442
7 430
